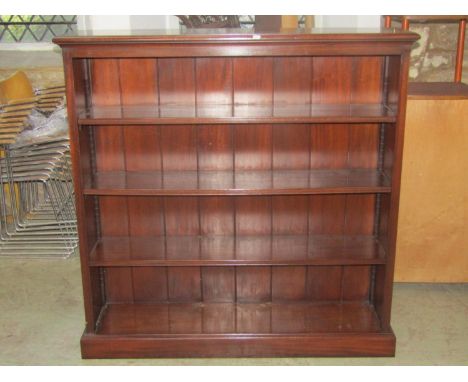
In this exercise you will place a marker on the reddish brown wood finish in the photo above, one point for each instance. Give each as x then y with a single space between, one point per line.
237 195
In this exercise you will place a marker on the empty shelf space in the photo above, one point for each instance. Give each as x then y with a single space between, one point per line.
277 182
237 250
242 113
237 318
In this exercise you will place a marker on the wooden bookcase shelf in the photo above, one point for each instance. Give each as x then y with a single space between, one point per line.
236 114
237 250
228 182
237 194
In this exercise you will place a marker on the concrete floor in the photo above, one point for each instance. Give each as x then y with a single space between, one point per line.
41 321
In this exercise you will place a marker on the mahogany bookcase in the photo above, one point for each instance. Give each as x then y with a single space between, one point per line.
237 193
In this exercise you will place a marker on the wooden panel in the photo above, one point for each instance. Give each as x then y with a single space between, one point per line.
291 147
119 286
363 146
253 318
179 148
359 214
184 284
217 216
253 145
356 283
218 284
149 284
138 81
219 318
253 80
113 216
253 284
290 214
367 79
329 145
215 147
181 216
214 83
324 283
288 283
331 79
185 318
327 214
292 80
176 81
432 242
142 148
145 216
105 87
253 215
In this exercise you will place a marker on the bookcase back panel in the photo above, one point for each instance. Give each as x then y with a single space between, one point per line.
233 83
245 215
236 147
255 284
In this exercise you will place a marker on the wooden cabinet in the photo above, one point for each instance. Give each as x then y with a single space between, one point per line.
237 194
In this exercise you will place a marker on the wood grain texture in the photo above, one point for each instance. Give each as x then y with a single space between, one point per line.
432 230
244 207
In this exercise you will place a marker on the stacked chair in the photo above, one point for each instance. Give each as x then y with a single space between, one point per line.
37 210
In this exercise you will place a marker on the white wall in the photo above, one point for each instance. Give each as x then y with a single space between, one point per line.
347 21
135 22
126 22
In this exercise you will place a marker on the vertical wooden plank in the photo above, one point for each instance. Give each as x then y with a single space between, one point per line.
176 81
149 284
216 215
179 148
359 214
114 216
184 284
363 146
253 81
145 219
327 214
105 81
290 215
139 81
291 147
253 215
356 283
139 86
105 86
367 79
253 318
292 80
214 84
215 147
219 318
288 283
185 318
253 147
145 216
331 80
253 284
181 216
324 283
218 284
329 146
119 287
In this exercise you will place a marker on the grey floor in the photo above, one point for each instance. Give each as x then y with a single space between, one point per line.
41 321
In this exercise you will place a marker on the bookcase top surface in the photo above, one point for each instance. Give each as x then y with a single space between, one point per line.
236 35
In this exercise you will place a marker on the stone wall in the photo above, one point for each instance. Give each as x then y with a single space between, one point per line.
433 56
